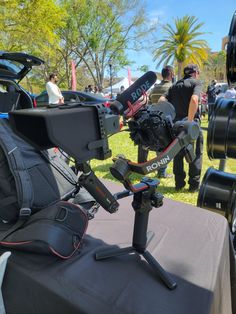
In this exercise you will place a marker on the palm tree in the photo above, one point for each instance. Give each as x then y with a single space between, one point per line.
181 44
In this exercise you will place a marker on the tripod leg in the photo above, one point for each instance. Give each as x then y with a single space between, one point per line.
107 253
165 277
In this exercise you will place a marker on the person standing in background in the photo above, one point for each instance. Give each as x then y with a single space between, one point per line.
211 92
90 88
230 93
54 94
122 89
160 89
184 95
155 94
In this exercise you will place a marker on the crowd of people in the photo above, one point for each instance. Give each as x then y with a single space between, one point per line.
94 90
185 96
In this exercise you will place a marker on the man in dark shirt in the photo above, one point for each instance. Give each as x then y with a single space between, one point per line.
184 95
212 92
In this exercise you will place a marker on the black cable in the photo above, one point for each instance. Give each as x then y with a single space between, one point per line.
65 155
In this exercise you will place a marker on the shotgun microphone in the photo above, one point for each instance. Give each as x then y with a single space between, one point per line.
134 92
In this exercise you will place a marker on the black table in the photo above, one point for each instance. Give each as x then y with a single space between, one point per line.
192 244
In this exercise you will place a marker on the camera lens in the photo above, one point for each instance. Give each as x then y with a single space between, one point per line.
218 192
222 130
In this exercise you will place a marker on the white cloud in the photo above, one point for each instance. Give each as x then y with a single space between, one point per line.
157 16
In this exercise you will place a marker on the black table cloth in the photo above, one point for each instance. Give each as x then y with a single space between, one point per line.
191 244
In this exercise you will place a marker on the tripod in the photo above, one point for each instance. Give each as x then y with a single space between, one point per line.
143 201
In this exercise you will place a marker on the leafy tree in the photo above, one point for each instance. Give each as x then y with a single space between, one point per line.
215 66
181 44
99 32
23 27
92 33
30 26
144 68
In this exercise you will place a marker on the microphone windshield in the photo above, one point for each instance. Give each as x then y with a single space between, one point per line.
134 92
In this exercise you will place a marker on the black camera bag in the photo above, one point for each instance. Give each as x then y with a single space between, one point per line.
57 230
29 177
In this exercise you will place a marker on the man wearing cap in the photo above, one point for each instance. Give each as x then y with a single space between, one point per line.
184 95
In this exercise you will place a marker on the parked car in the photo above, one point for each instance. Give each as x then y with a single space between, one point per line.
41 100
13 68
222 88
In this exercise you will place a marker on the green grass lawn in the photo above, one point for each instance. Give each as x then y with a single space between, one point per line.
120 143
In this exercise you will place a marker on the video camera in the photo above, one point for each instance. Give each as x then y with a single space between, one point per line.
82 132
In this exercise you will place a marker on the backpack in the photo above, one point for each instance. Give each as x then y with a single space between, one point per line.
30 178
56 230
35 215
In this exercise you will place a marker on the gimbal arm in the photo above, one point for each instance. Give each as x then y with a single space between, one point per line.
187 133
96 188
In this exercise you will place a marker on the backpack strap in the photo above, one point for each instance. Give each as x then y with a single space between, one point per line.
22 179
24 187
23 217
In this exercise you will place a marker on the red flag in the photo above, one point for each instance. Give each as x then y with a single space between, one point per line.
129 77
73 75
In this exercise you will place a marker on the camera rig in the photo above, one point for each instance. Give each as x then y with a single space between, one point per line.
82 132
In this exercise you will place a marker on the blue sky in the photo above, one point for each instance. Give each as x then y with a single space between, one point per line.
216 16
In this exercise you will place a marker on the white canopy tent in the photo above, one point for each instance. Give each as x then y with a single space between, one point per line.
116 87
124 82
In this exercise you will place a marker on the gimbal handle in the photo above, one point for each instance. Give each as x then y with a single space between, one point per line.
96 188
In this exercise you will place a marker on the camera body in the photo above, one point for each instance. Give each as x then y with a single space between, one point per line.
151 128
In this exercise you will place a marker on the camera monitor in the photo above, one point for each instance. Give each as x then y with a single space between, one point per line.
81 131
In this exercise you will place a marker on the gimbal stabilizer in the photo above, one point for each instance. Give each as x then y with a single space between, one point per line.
145 195
61 127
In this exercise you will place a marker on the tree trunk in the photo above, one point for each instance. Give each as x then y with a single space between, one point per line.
180 68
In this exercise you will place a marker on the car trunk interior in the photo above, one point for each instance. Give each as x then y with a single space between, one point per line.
12 97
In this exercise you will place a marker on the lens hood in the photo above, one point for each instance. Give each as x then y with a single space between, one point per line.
218 191
222 130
